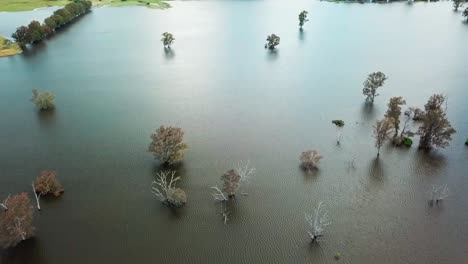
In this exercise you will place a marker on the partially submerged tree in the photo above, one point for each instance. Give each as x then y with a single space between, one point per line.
438 193
16 222
47 183
382 130
436 130
43 100
167 39
303 18
272 41
167 144
317 222
394 112
457 4
374 81
310 159
166 191
465 14
233 179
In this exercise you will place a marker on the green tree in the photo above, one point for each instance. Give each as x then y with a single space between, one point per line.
457 4
167 39
303 18
59 21
22 36
50 22
67 17
35 30
272 41
372 83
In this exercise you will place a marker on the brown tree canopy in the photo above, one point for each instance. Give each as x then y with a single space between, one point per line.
167 145
436 130
310 159
16 221
47 183
382 130
394 112
231 182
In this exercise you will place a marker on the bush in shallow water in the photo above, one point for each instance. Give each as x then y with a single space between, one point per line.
43 100
407 142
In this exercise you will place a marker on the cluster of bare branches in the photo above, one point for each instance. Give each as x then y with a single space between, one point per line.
310 159
438 193
166 191
317 222
232 181
16 220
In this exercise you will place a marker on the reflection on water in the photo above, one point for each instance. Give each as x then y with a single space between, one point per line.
237 101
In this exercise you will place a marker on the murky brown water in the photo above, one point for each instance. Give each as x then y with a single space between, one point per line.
115 85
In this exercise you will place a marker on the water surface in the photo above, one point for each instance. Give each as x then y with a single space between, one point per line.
236 101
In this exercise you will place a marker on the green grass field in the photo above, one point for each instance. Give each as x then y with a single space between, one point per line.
24 5
8 49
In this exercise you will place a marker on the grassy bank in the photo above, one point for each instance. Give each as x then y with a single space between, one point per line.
24 5
8 49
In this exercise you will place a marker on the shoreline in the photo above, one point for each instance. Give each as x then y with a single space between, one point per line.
9 49
33 5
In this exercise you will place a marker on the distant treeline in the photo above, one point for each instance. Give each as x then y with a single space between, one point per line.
35 32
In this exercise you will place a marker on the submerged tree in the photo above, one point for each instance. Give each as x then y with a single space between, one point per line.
436 130
394 112
272 41
16 222
167 145
438 193
303 18
382 130
45 184
374 81
43 100
317 222
167 39
457 4
233 179
310 159
166 191
465 14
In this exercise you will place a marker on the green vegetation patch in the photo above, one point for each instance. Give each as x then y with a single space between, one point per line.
8 48
25 5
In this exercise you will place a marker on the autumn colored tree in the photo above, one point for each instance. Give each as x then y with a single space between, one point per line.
310 159
167 144
47 183
16 222
382 130
394 112
374 81
436 130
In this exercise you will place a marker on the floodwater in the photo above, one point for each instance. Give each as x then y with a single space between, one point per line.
236 101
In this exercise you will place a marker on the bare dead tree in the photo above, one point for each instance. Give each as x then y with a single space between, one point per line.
5 202
38 196
438 193
166 191
218 195
317 222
